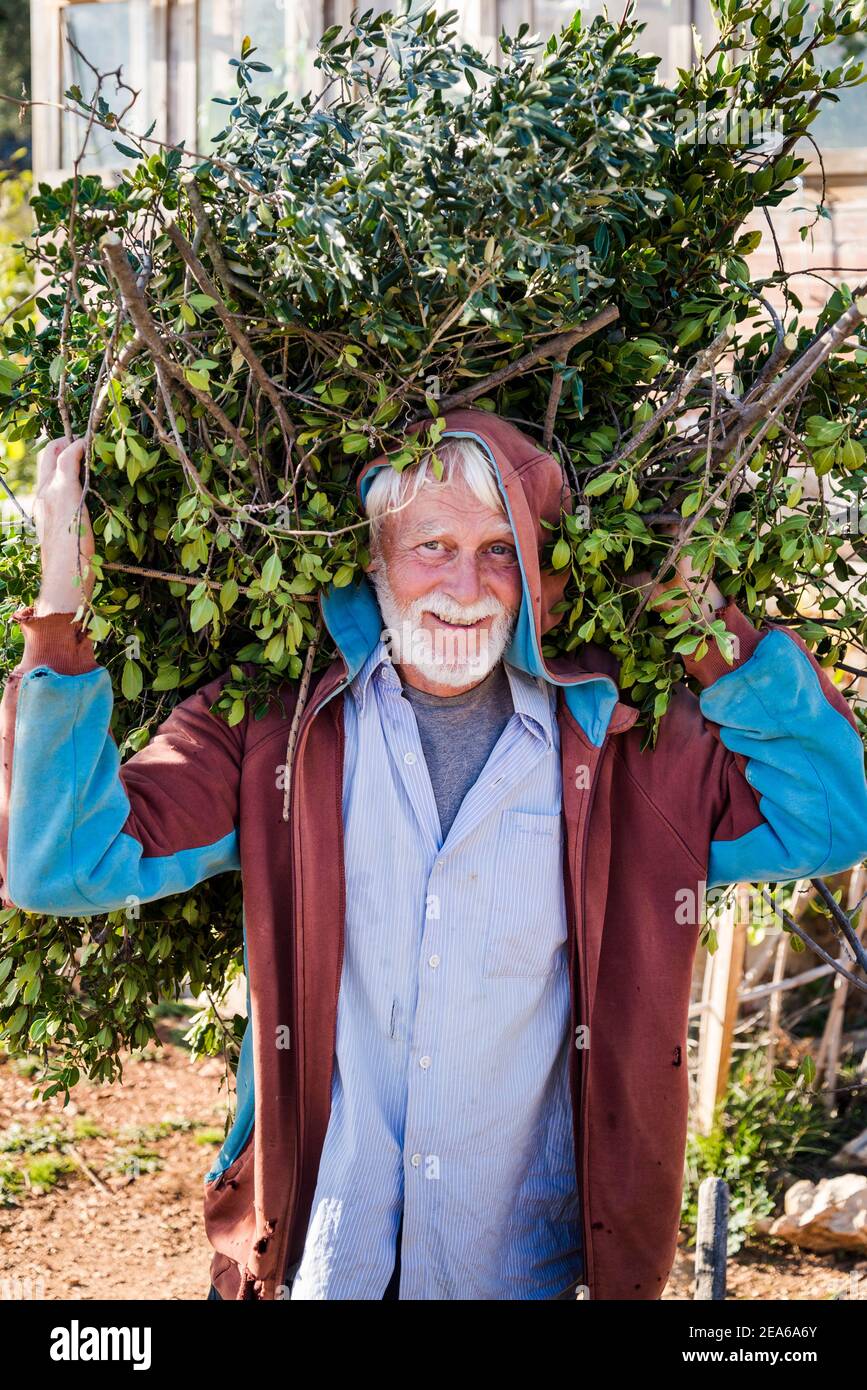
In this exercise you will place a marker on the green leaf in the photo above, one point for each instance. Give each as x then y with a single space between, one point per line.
600 484
131 680
202 610
228 594
272 572
166 678
561 554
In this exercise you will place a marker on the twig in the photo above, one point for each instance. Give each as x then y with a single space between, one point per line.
300 702
215 250
793 927
841 919
554 347
235 331
780 354
88 1172
190 579
703 361
551 411
116 260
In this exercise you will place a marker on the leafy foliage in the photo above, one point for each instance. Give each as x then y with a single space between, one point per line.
386 246
765 1135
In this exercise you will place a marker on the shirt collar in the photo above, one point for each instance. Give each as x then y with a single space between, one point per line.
379 657
530 694
531 697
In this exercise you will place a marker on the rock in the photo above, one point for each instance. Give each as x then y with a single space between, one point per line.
829 1215
853 1155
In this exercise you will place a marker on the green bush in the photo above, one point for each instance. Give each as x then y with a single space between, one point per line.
764 1136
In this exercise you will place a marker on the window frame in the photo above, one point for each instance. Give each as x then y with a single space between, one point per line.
48 86
173 93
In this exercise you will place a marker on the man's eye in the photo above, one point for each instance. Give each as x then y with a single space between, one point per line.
425 544
502 548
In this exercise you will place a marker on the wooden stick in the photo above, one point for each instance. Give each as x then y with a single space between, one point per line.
828 1055
235 332
116 260
88 1172
706 359
711 1242
215 250
554 347
300 702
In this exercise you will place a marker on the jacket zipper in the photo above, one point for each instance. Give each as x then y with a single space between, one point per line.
299 1111
584 1016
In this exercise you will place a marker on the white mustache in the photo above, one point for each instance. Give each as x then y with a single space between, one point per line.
450 611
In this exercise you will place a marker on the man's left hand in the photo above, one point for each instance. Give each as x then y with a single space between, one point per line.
701 591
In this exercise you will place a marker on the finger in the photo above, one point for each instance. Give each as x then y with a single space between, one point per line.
46 462
69 461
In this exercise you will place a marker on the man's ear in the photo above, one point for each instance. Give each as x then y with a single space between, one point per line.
375 561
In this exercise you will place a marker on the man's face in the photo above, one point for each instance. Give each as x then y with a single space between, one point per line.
447 566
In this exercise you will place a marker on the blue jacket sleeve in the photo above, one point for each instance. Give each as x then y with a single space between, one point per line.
81 833
789 794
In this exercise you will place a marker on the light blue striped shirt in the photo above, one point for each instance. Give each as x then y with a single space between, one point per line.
450 1090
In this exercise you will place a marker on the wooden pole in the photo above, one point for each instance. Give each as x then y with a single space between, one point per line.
711 1244
723 970
828 1057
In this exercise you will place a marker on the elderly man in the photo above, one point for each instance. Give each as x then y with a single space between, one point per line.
470 922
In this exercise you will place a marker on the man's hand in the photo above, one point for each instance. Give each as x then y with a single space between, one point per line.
702 592
58 494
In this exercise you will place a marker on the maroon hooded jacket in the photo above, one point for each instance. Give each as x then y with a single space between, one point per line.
762 778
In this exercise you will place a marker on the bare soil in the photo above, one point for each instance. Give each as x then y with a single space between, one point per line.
134 1229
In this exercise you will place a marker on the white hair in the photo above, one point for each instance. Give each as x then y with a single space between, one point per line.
461 457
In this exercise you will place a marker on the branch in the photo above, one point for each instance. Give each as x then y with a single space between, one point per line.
215 250
554 347
705 359
236 333
133 300
300 702
792 926
780 354
840 918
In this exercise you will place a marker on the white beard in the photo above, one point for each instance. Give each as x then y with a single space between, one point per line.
452 659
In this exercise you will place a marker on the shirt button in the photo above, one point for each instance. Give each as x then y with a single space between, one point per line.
409 757
415 1160
424 1062
434 961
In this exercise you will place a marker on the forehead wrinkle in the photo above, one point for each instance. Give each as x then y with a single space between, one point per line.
439 525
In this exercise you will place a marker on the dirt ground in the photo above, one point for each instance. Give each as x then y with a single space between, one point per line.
133 1230
125 1220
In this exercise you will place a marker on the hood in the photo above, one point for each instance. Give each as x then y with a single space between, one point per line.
533 488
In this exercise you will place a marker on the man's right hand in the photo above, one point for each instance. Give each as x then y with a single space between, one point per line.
58 493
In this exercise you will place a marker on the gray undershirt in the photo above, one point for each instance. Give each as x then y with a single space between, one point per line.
458 733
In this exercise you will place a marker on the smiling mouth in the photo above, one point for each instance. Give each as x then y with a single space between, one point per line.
459 627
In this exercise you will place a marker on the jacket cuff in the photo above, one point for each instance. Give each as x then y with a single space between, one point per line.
54 640
710 667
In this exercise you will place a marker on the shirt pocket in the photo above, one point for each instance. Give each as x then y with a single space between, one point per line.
527 921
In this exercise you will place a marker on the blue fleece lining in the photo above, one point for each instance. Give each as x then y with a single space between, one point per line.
245 1107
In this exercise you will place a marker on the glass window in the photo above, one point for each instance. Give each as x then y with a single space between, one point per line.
285 33
843 124
667 24
109 34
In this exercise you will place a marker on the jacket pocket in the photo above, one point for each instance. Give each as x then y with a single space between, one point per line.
526 926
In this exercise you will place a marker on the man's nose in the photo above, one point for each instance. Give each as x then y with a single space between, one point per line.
463 583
